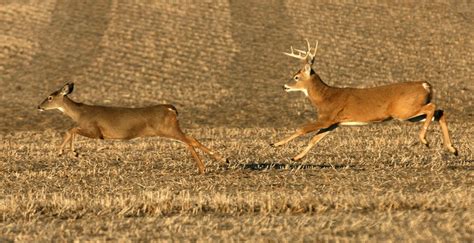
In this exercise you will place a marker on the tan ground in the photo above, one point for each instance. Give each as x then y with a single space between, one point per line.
221 65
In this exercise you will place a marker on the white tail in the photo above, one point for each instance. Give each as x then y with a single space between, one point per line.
351 106
121 123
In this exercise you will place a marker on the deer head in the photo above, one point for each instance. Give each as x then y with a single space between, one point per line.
56 99
300 80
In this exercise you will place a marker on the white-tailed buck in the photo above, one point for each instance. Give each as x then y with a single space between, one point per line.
121 123
352 106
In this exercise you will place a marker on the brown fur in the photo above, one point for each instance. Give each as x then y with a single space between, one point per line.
343 106
105 122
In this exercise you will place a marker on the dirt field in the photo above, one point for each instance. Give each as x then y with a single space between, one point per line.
221 65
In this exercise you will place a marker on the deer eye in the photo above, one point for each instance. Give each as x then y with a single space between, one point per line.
50 98
296 78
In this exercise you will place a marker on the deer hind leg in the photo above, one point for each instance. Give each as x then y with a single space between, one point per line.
173 131
181 137
196 157
195 143
441 118
311 127
429 110
176 133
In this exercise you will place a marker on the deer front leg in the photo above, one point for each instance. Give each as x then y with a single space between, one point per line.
69 137
311 127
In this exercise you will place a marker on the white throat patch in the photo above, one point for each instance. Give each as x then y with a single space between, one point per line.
305 91
61 109
289 89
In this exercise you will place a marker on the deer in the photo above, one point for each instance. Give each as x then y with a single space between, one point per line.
106 122
337 106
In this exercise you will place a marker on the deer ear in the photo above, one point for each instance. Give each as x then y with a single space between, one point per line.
67 89
307 69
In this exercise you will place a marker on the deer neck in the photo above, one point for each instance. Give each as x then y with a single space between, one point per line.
71 108
318 90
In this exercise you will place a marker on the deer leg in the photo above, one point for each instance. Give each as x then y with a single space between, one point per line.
71 144
174 132
199 162
429 110
441 118
68 137
183 138
197 144
311 127
321 134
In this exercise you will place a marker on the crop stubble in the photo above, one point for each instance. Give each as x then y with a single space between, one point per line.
222 69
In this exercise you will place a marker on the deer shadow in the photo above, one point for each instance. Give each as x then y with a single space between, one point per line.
294 166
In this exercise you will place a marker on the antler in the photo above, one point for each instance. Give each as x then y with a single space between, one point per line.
303 55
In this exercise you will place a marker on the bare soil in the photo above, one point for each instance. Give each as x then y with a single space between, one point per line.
221 65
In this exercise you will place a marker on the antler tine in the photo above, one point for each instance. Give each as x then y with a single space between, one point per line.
309 46
315 48
302 53
309 54
295 55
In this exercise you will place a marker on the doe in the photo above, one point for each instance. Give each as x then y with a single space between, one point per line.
352 106
121 123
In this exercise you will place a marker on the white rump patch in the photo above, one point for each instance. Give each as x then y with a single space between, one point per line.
353 123
427 87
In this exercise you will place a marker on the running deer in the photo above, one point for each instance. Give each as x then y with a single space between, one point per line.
121 123
352 106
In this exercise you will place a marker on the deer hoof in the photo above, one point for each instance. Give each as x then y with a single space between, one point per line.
453 150
223 160
423 141
201 170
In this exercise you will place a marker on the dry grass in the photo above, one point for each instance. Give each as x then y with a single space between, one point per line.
347 188
221 67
